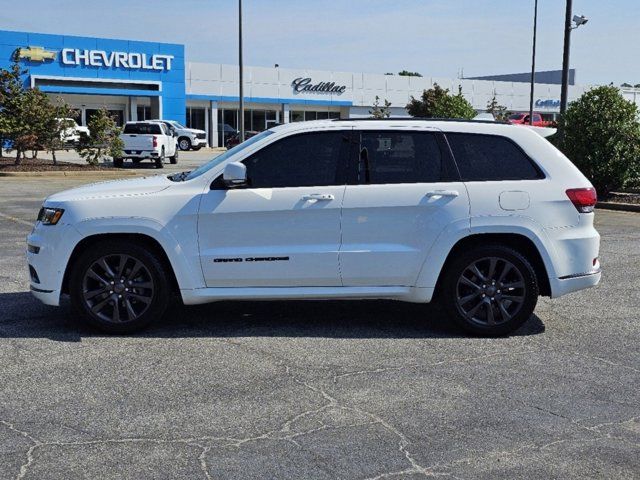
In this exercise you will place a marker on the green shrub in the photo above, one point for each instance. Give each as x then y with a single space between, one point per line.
600 134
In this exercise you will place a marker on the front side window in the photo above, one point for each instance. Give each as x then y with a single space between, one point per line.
305 160
490 157
399 157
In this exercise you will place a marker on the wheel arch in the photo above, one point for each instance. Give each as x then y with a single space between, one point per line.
138 238
516 241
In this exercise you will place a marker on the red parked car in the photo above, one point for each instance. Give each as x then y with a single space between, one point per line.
523 119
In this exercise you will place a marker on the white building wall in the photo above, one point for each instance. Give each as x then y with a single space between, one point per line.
273 83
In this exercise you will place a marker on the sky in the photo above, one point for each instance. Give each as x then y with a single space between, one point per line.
439 38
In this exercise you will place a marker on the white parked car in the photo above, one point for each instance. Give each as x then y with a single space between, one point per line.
188 138
148 140
483 217
72 131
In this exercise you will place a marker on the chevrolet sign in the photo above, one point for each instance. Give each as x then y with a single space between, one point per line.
129 60
36 54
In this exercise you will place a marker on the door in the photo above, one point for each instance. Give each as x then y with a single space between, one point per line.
405 193
283 228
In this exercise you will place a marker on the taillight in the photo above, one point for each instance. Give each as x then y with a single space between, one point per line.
155 141
584 199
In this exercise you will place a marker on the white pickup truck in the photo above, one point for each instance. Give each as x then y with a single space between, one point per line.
152 140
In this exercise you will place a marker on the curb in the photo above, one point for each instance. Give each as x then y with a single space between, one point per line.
70 173
626 207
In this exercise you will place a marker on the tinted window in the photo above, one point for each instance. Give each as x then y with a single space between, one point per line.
490 157
142 128
399 157
309 159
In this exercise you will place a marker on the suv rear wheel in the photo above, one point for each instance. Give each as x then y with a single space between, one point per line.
490 290
119 287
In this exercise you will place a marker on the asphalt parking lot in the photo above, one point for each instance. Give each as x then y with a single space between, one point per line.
319 389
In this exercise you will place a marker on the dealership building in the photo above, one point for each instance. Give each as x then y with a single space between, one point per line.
138 80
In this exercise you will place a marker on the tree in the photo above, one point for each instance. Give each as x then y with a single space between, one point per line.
380 111
11 96
437 102
104 139
498 111
406 73
28 118
57 121
600 134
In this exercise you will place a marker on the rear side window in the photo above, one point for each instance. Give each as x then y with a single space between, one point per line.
142 128
399 157
490 157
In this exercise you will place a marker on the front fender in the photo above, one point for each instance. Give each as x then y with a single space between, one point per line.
182 253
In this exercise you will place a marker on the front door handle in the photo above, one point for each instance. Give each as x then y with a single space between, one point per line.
319 197
442 193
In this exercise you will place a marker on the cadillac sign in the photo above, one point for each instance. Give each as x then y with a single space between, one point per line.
303 85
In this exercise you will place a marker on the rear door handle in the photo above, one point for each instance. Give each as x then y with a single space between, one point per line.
319 197
442 193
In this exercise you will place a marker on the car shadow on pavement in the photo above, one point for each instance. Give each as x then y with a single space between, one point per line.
22 316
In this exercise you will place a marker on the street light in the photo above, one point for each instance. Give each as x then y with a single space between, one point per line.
577 20
241 93
533 60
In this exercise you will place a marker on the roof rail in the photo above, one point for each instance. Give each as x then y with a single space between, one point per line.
424 119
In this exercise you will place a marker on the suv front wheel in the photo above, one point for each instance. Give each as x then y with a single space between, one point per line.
119 287
490 290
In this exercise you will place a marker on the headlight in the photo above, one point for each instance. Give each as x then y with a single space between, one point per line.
50 216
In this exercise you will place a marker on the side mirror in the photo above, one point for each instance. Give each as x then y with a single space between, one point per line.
234 175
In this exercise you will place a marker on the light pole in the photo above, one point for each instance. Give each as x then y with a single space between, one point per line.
241 93
533 60
578 20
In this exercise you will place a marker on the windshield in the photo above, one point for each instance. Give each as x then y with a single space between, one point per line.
176 125
516 116
221 158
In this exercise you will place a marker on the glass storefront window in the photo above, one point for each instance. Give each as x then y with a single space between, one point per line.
117 115
144 112
296 116
196 118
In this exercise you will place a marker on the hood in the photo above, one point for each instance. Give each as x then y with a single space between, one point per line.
81 129
131 187
194 130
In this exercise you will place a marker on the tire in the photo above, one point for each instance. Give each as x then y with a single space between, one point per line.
133 273
118 162
184 143
160 160
174 158
475 298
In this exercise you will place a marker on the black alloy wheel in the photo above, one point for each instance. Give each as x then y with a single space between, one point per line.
490 290
119 287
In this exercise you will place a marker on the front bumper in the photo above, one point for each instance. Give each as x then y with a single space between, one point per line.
54 245
198 142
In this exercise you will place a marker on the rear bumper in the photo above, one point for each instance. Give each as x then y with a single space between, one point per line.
140 154
573 283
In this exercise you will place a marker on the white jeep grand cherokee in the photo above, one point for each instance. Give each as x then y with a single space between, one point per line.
483 217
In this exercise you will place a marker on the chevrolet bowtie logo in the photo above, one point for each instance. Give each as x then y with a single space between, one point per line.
36 54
